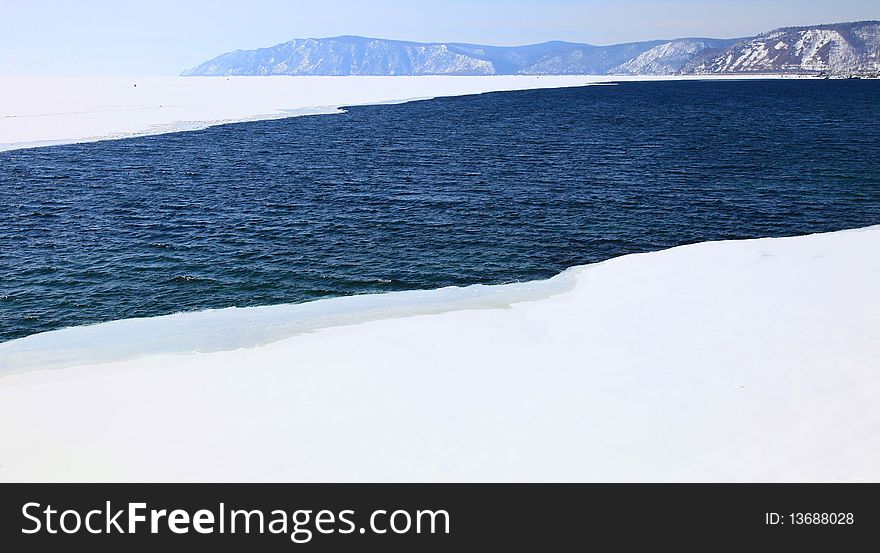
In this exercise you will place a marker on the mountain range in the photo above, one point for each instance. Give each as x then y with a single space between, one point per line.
841 49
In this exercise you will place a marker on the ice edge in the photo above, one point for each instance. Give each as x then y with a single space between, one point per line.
232 328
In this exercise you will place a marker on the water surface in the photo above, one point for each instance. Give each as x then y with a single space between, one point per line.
490 189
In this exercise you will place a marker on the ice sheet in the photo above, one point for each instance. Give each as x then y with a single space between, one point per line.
730 361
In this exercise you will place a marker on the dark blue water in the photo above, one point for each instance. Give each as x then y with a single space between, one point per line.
480 189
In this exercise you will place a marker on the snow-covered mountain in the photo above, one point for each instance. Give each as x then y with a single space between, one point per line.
845 48
670 57
350 55
840 49
346 56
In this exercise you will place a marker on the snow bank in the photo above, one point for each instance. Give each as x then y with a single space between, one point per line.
234 328
42 111
756 360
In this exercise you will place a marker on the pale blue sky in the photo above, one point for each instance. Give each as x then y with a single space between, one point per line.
167 36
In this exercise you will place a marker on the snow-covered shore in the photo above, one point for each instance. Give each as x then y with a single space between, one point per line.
42 111
754 360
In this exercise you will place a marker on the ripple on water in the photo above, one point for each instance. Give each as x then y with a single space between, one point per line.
485 189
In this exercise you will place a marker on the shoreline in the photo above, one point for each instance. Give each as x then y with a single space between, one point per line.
93 109
772 343
196 332
204 331
728 361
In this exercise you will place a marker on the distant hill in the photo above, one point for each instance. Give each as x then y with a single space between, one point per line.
350 55
840 49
